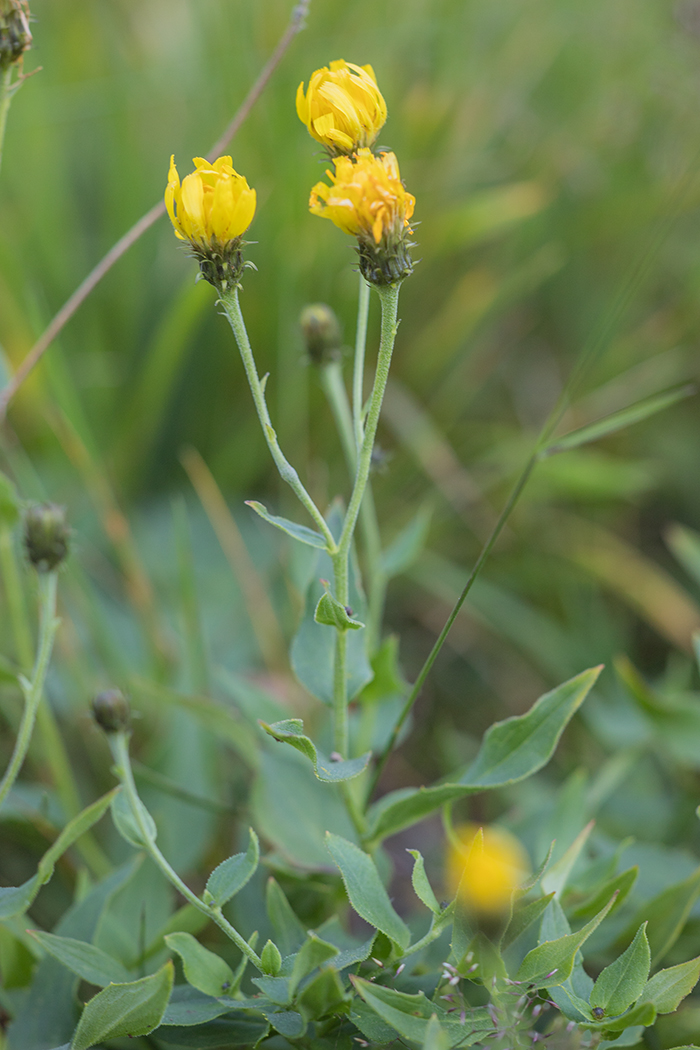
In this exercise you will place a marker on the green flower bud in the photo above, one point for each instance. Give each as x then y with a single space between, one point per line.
271 959
46 536
111 711
322 334
15 37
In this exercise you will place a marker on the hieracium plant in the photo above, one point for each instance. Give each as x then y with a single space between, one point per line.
495 956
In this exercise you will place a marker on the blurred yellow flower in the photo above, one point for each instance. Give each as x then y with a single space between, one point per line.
213 206
485 868
343 108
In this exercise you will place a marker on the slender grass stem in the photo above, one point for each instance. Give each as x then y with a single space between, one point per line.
34 689
232 307
6 93
432 656
119 745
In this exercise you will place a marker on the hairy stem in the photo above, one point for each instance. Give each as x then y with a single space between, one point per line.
119 745
34 689
6 93
232 307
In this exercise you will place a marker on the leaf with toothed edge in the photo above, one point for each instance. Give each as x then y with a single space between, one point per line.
331 770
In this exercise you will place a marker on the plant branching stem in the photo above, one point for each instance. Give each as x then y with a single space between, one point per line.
34 689
341 559
427 666
119 745
232 307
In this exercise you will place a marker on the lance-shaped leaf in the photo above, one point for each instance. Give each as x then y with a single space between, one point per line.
16 899
619 420
410 1015
641 1014
667 914
423 889
622 885
555 880
667 988
127 825
324 994
552 962
511 750
312 953
620 984
204 970
86 960
291 731
232 874
129 1009
523 918
298 532
365 889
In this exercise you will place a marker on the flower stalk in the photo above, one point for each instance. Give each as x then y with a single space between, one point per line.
119 746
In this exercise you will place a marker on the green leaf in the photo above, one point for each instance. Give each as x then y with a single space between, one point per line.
288 1023
552 962
129 1009
622 885
125 822
405 548
292 810
523 918
188 1006
276 989
422 887
271 959
331 613
387 683
511 751
435 1038
291 731
204 970
618 420
410 1015
289 932
312 953
667 914
365 890
9 503
555 880
642 1013
232 875
16 899
620 984
517 747
87 961
667 988
324 994
230 1031
297 532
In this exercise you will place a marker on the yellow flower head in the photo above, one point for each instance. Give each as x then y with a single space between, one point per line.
485 868
343 107
212 205
368 200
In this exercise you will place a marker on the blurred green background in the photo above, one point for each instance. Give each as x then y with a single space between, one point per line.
554 151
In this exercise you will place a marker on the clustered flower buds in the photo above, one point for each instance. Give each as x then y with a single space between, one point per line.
15 37
345 110
46 536
111 711
321 330
211 209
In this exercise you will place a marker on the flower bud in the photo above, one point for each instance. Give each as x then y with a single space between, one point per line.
46 536
111 711
321 330
343 108
15 37
485 868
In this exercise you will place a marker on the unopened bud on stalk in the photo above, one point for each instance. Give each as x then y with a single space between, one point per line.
322 334
46 536
111 711
15 37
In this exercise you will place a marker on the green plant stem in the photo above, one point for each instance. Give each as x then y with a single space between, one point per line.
341 559
231 305
119 746
34 689
334 388
6 93
359 363
17 607
426 668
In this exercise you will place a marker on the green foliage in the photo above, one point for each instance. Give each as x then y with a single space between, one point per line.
132 1009
204 970
365 890
232 875
621 983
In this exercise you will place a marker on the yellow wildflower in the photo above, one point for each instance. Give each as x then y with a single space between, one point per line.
368 200
485 868
343 108
212 209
